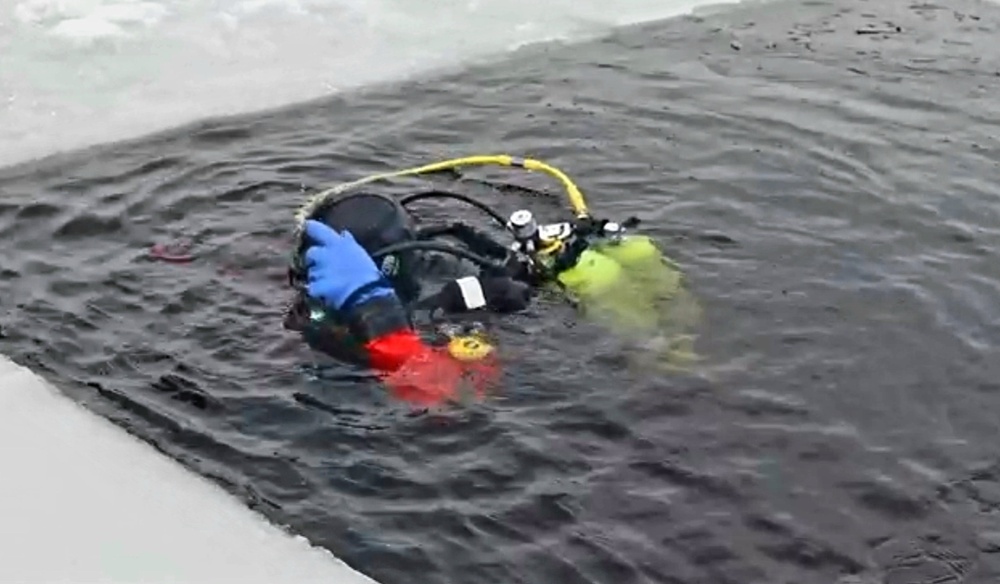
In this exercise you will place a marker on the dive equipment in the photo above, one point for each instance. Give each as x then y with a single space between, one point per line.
599 263
523 225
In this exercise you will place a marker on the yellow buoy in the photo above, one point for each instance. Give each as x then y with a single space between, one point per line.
469 348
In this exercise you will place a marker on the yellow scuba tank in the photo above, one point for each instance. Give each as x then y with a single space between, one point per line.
615 263
644 264
631 249
658 283
632 288
593 274
602 286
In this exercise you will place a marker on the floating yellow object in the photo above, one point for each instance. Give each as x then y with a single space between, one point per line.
469 348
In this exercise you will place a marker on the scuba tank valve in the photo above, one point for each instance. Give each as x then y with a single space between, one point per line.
523 226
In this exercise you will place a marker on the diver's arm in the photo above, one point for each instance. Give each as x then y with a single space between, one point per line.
381 324
493 293
343 278
413 370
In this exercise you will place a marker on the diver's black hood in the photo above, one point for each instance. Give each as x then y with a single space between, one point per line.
375 221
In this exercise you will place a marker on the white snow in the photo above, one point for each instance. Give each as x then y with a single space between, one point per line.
80 72
83 501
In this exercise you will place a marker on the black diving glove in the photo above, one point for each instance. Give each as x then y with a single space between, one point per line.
494 293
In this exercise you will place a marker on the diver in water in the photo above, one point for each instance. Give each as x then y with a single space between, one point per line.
359 253
353 309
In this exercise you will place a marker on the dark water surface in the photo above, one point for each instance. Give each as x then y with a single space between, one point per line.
827 180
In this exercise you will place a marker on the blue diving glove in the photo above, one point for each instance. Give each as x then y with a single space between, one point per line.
339 269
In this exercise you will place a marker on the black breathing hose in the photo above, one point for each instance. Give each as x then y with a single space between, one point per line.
473 257
456 196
